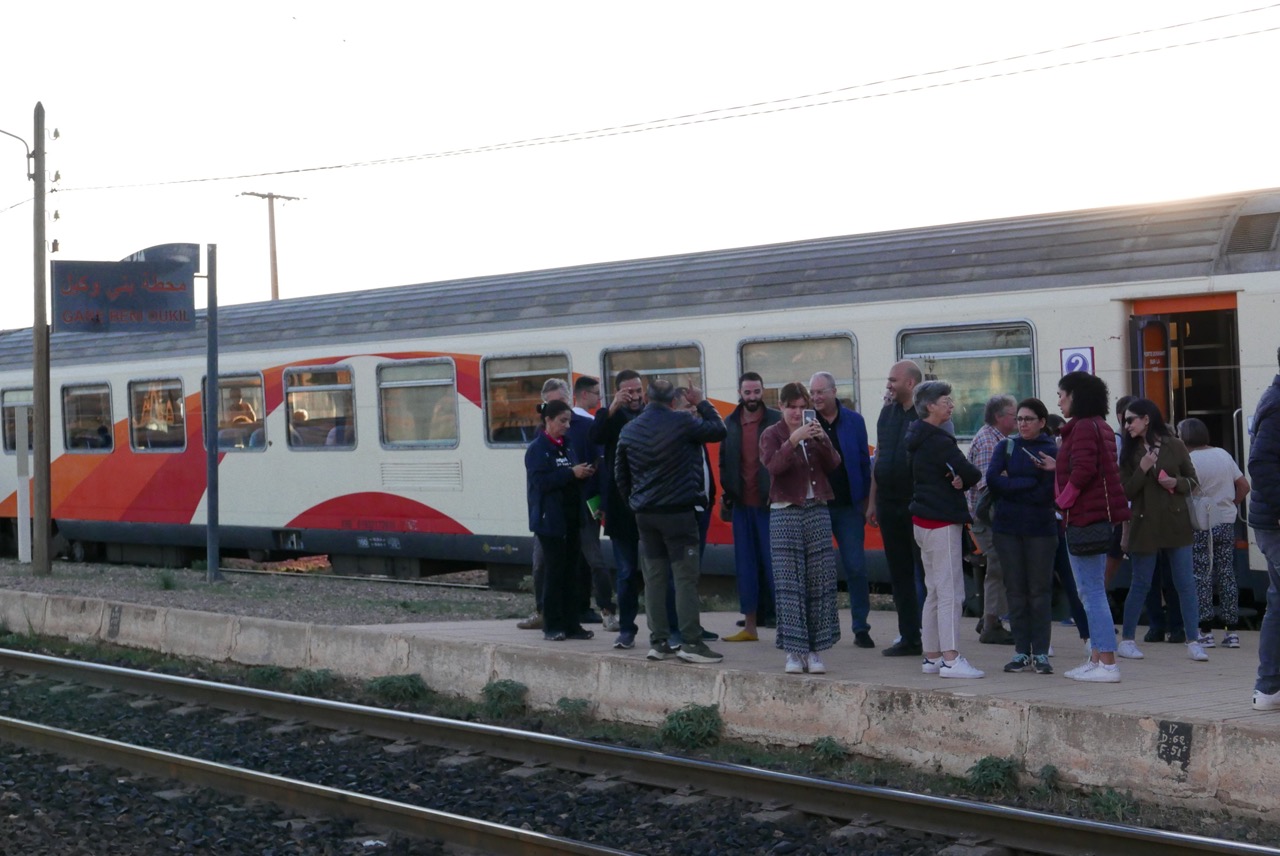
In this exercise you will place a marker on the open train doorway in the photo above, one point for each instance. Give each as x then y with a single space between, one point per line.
1186 358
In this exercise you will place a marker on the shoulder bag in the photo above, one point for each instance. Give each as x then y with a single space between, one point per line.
1093 538
1200 507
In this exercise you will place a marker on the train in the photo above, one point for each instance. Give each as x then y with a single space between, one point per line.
386 427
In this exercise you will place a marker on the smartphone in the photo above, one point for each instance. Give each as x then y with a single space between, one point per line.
1032 455
951 470
810 416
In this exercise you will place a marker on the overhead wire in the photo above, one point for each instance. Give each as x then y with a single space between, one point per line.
760 108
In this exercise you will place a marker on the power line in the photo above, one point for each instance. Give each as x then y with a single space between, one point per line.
762 108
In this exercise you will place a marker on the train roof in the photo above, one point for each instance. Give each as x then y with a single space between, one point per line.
1233 233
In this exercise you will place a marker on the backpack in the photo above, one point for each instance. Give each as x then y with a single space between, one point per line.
984 512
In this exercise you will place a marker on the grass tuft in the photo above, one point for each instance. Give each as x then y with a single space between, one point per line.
398 688
992 775
693 726
504 699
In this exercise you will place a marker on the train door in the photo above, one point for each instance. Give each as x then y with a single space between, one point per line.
1185 356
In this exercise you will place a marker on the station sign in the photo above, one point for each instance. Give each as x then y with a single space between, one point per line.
152 291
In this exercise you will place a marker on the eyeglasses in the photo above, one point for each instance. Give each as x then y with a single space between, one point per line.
1028 418
1129 420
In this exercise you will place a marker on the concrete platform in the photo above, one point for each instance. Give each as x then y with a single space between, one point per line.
1172 729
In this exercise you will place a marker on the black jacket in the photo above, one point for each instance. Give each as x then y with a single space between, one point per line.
619 522
1264 461
731 456
892 467
659 459
933 497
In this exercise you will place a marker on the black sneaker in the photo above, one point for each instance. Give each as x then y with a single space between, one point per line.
698 654
1019 663
580 633
903 649
708 636
590 616
1042 665
1154 635
661 651
1177 636
863 639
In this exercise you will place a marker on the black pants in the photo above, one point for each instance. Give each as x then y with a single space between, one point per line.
1028 582
559 598
901 553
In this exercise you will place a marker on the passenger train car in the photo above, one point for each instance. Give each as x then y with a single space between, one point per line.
387 427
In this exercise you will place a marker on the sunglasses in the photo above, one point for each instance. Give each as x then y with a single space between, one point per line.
1129 420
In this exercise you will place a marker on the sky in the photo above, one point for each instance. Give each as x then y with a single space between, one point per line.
434 141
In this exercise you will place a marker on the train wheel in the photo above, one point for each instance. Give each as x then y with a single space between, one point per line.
79 552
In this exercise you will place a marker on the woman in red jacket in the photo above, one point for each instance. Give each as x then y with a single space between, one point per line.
798 456
1089 492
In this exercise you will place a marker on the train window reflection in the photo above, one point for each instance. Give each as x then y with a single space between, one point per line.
680 364
780 361
86 418
157 416
320 407
512 392
418 404
241 412
978 362
9 400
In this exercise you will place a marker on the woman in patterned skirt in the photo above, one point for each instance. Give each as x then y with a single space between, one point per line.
798 456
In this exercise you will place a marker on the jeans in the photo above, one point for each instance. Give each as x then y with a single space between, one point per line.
1269 637
848 524
1090 573
751 561
1164 607
900 553
626 554
1066 579
1184 580
1027 561
669 547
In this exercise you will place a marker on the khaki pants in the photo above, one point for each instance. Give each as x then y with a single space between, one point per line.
943 562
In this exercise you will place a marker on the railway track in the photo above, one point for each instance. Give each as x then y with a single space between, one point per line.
878 812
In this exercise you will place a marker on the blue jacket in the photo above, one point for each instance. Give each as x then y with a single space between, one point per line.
551 487
851 429
587 452
1264 461
1023 491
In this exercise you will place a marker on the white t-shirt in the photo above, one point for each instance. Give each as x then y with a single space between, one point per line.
1217 473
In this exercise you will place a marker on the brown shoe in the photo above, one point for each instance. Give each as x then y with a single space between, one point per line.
533 622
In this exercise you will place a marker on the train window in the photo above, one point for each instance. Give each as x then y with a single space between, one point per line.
680 364
512 392
86 418
780 361
10 399
242 412
156 415
418 403
320 407
978 362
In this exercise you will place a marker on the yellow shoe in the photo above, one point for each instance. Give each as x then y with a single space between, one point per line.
742 636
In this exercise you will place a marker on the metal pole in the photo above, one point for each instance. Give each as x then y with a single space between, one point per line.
40 564
212 397
271 230
21 414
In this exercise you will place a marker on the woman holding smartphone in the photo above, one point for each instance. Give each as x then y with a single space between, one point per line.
798 456
1025 530
1158 476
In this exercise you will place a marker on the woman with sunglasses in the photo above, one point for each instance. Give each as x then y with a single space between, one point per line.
1025 532
1158 476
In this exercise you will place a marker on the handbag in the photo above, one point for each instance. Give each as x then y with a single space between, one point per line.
1093 538
1200 507
1089 540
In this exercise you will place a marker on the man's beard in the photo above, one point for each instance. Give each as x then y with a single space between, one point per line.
753 405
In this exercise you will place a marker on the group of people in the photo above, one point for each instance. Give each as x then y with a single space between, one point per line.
1040 497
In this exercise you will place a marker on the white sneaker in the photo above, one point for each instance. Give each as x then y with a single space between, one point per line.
611 623
959 668
1206 641
1196 652
795 665
1079 670
1129 650
1231 640
816 666
1266 701
931 667
1101 673
1050 649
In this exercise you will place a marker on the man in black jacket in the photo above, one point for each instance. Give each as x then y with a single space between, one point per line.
1264 517
658 469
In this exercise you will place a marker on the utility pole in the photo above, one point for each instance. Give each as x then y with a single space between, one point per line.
271 226
40 560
